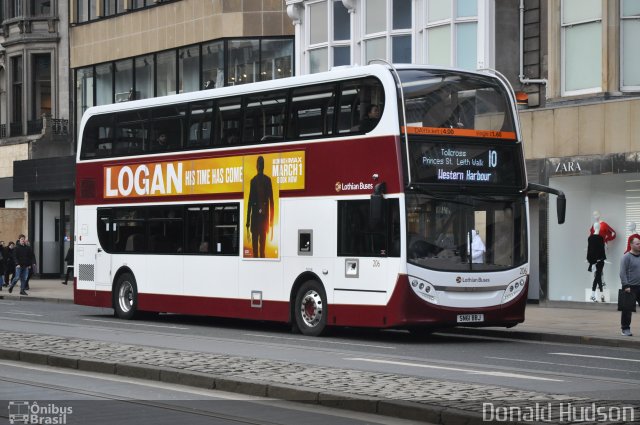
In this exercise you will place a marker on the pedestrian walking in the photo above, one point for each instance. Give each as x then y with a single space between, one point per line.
9 264
2 263
34 265
23 256
69 259
630 280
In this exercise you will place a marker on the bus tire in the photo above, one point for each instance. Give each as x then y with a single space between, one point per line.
310 308
125 298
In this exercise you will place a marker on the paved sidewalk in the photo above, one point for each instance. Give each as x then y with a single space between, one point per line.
429 400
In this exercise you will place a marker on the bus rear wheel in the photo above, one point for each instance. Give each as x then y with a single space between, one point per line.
310 308
126 297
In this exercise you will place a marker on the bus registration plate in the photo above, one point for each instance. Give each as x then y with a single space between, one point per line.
470 318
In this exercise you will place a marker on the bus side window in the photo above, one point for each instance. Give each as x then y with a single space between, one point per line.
312 112
200 124
264 117
229 116
198 229
97 137
349 108
167 128
226 230
131 132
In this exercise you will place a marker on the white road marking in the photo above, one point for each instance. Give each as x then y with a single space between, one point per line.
596 357
24 314
135 324
455 369
561 364
323 341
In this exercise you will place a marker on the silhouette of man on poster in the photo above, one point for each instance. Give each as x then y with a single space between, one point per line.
260 210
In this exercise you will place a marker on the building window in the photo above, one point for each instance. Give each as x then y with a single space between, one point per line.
244 60
84 91
189 69
329 38
16 96
452 33
630 34
581 46
40 7
144 77
110 7
186 69
41 91
276 59
82 11
93 9
213 65
166 67
124 81
388 29
104 84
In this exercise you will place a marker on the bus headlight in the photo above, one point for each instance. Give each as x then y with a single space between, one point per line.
514 289
423 289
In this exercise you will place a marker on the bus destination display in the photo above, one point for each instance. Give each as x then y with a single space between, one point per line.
466 164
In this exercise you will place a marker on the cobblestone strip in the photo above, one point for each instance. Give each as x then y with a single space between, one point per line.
360 384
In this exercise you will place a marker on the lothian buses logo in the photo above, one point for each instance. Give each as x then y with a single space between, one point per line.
353 186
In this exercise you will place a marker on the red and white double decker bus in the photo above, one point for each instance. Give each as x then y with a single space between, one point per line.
290 201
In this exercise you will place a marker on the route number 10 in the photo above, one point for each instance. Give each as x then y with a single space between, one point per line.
493 158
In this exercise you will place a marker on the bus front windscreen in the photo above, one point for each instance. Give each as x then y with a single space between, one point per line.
439 99
466 232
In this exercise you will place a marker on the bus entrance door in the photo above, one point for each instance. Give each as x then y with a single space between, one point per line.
102 270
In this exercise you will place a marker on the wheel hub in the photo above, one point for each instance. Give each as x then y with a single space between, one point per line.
311 308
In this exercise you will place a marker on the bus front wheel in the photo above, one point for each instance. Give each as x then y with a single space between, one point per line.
310 308
126 297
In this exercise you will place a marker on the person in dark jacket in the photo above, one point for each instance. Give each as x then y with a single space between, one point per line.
34 266
23 256
9 264
69 259
2 263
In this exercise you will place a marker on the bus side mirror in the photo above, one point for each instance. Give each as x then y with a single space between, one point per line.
561 204
561 207
377 206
